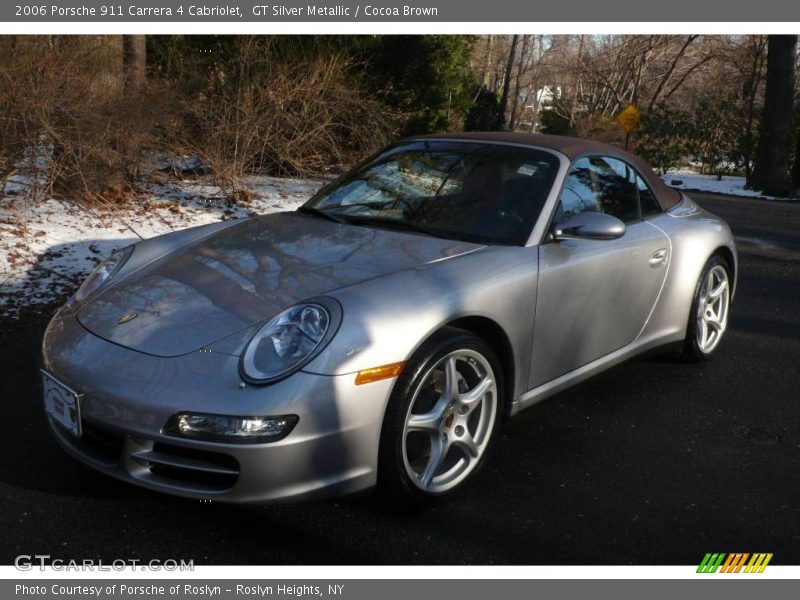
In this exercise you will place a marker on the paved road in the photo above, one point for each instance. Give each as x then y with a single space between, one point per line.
651 463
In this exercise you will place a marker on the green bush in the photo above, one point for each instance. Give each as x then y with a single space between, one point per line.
664 138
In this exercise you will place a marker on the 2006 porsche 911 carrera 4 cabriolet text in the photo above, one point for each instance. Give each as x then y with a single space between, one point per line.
381 333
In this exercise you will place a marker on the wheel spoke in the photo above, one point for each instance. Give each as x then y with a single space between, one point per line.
450 379
428 421
468 446
713 323
717 291
438 451
473 397
703 332
710 282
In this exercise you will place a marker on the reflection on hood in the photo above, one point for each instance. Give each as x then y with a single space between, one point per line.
246 274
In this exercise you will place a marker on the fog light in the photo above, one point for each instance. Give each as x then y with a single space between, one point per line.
232 430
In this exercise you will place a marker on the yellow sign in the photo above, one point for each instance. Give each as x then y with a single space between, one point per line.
629 118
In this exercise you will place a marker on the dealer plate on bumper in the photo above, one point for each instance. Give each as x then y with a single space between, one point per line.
62 404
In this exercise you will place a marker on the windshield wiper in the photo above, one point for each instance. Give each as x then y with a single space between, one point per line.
310 210
397 224
382 222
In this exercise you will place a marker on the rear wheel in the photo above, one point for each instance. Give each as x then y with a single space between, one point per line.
708 319
442 417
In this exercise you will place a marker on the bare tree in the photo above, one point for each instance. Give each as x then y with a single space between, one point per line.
501 115
518 81
747 55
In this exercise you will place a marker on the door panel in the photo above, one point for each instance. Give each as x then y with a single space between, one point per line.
594 297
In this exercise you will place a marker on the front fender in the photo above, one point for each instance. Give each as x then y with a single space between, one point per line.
387 319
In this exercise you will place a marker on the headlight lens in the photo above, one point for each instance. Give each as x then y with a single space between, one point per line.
103 272
289 340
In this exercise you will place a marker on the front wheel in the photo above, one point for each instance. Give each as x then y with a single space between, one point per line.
708 319
442 417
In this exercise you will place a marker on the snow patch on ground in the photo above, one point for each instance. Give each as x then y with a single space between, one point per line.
47 246
729 184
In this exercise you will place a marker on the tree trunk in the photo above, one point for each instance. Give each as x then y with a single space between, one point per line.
771 173
796 167
135 61
487 62
501 116
518 82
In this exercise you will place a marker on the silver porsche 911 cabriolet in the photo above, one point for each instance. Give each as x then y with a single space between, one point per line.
381 333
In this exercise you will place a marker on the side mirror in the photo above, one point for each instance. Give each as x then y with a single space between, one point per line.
589 226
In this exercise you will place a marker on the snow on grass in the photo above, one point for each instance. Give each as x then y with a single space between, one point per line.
47 246
729 184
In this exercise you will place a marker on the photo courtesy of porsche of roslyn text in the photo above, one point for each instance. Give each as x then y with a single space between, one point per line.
518 299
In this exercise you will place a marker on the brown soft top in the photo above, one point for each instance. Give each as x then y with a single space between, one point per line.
571 147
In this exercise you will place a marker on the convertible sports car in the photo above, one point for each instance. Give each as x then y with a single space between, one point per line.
382 332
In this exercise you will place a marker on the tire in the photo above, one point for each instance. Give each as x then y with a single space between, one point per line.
708 314
426 418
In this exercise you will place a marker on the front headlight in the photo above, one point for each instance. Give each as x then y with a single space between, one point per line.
290 340
102 273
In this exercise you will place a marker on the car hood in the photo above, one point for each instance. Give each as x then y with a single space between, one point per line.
245 274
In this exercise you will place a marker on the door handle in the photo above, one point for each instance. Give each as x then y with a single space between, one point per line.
659 258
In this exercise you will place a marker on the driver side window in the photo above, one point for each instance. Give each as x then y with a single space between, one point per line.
599 184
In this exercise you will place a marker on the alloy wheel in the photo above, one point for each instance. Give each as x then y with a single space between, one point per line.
712 309
450 421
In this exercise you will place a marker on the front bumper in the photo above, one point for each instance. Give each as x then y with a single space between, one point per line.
128 397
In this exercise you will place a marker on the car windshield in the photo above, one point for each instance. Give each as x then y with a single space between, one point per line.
485 193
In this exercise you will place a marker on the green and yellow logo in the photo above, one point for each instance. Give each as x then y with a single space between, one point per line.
736 562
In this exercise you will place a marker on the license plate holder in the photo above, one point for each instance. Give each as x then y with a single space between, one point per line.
62 404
